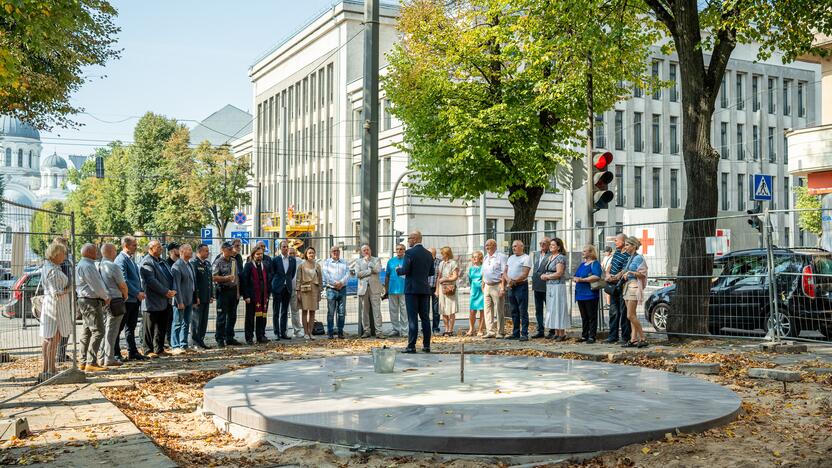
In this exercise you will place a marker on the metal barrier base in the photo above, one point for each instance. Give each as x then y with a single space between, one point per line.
72 375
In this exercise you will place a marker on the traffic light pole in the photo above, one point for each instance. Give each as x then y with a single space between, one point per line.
590 130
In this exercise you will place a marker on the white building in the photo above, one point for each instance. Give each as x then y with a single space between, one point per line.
307 96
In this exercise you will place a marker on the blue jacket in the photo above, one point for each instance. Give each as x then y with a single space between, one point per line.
131 275
282 280
156 285
417 267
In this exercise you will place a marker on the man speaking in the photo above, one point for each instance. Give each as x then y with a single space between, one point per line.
416 267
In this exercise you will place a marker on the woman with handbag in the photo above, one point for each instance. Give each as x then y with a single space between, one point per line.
446 279
309 280
477 300
587 291
557 318
56 319
635 275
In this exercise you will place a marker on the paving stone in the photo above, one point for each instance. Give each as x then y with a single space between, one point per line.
784 348
820 370
707 368
774 374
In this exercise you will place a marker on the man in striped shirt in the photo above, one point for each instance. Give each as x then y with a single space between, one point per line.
618 311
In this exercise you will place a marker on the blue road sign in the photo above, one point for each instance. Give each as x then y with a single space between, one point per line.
207 234
242 235
266 242
762 187
240 217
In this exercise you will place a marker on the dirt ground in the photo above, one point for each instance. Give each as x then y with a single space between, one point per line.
777 427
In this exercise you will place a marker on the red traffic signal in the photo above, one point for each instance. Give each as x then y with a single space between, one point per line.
601 178
602 160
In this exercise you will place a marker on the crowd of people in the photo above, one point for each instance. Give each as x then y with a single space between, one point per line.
172 294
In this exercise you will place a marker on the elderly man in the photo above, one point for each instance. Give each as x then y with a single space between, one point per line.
227 277
417 267
156 305
540 262
493 288
284 267
394 285
336 272
367 269
184 284
92 297
297 326
434 299
267 260
518 267
114 312
203 295
167 268
135 295
618 310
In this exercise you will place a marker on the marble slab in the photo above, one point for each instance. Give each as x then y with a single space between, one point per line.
507 405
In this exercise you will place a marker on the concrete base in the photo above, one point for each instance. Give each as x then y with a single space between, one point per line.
73 375
507 405
17 428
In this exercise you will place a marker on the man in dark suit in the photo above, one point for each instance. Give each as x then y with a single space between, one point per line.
541 261
417 266
204 289
284 267
158 287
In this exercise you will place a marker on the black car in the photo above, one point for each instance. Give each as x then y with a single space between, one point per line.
739 298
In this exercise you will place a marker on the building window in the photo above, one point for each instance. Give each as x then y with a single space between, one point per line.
8 236
674 135
599 130
755 91
723 191
20 158
786 239
674 93
358 125
772 154
787 195
657 134
491 228
755 135
740 192
619 130
31 158
637 91
674 188
787 102
801 99
723 91
723 140
550 229
619 185
637 132
785 150
330 82
657 187
657 91
54 180
637 186
356 180
772 96
386 172
388 116
740 142
740 94
8 160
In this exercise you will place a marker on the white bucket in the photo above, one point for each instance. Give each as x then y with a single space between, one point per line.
383 360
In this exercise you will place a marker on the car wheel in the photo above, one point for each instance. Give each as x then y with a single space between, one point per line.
659 317
783 323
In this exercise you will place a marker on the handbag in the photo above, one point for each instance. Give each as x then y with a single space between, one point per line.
37 302
305 288
598 285
616 288
318 328
448 289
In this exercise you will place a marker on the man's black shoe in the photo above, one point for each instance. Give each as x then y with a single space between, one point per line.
250 342
340 335
524 338
233 342
285 337
590 340
611 340
262 340
409 351
331 336
512 337
539 334
220 344
136 357
425 350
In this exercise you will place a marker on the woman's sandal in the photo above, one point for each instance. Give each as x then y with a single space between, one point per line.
630 344
642 344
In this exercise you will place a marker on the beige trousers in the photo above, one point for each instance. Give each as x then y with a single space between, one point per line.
494 303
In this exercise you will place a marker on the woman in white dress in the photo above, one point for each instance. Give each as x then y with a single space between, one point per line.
446 285
557 303
55 315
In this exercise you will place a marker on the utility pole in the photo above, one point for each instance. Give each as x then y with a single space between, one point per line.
369 140
483 221
590 128
283 203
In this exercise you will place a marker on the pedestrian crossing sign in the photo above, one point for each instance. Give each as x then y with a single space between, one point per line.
762 187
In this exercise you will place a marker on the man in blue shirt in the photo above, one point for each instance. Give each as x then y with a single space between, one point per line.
618 311
336 272
135 296
394 285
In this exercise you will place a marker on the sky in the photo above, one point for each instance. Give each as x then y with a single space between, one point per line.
183 59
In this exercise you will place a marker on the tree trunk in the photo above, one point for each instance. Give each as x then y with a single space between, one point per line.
525 209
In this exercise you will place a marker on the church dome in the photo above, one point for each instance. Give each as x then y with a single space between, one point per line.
53 162
12 127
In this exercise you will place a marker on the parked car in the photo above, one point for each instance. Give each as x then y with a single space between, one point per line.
21 294
739 296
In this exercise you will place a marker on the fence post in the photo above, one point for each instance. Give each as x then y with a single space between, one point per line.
773 333
73 375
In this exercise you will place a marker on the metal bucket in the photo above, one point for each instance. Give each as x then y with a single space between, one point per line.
383 360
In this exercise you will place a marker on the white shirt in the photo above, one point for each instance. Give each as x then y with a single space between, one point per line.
493 267
516 263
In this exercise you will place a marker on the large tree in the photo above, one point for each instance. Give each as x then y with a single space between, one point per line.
705 35
181 200
221 183
46 48
493 93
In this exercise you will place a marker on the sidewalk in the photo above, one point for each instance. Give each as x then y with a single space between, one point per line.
73 425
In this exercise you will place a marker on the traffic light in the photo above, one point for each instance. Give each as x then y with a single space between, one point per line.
601 179
754 219
399 237
99 167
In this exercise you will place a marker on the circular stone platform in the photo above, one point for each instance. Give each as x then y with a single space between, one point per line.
507 405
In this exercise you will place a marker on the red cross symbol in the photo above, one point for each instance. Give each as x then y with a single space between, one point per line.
646 242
